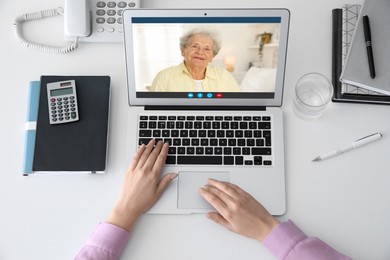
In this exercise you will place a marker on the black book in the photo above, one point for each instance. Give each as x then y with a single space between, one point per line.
79 146
342 30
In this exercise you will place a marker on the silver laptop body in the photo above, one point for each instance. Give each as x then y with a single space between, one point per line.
254 59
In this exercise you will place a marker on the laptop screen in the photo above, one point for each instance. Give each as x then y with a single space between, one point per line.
205 57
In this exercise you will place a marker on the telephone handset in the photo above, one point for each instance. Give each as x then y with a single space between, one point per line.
84 20
96 20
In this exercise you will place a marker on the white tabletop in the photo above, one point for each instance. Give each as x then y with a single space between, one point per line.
344 200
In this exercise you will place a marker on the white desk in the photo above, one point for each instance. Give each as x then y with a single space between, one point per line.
344 200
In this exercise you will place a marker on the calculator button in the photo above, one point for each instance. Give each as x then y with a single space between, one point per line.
73 115
131 4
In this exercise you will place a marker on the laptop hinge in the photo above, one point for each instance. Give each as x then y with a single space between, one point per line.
208 108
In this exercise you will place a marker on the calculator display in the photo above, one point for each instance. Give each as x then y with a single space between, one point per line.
61 92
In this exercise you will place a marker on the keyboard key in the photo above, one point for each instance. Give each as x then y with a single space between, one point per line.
193 159
267 162
170 160
190 150
209 150
145 133
218 150
195 142
193 133
165 133
144 141
156 133
199 150
264 125
258 160
211 133
176 141
228 160
227 150
143 124
239 160
213 142
261 151
172 150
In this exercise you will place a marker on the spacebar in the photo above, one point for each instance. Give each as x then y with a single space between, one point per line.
199 159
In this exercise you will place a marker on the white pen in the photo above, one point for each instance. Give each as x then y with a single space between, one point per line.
362 141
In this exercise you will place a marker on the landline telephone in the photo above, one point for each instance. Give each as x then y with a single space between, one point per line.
84 21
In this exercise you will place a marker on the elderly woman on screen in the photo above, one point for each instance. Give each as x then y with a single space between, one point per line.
195 74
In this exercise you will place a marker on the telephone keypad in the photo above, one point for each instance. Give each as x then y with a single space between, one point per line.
109 16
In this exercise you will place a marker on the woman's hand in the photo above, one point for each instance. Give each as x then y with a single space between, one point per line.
142 186
237 210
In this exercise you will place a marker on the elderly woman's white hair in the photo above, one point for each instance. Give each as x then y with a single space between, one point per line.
213 35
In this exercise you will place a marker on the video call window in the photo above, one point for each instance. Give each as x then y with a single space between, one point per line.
246 62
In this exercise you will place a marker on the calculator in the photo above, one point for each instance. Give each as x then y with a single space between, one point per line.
62 102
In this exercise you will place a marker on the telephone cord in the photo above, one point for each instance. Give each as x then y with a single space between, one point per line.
18 22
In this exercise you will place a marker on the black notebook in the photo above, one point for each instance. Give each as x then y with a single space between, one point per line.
344 21
79 146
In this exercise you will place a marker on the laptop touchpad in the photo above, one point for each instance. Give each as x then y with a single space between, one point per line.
189 184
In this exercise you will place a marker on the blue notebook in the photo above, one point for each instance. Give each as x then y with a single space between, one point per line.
31 126
76 147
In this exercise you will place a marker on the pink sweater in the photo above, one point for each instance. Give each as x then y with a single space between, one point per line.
286 242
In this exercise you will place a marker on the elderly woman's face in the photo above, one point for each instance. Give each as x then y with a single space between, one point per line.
199 51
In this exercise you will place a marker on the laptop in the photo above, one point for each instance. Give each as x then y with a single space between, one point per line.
224 124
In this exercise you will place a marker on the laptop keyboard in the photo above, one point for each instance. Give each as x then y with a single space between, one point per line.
210 140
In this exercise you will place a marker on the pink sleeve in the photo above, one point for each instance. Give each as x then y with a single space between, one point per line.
106 242
288 242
